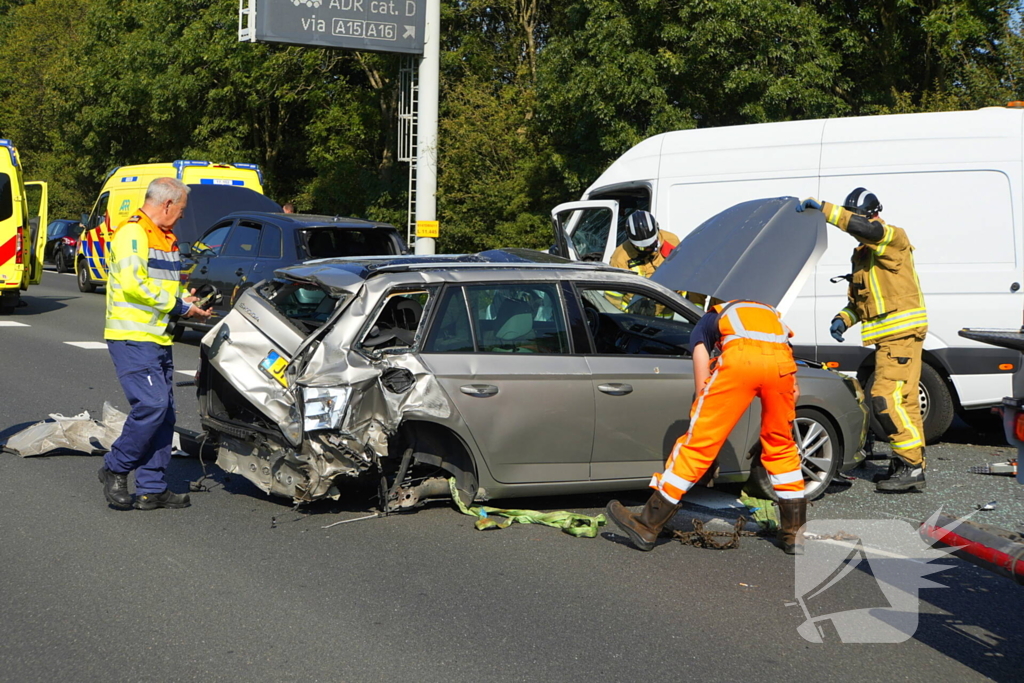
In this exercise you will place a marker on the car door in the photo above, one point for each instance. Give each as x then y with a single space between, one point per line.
642 373
270 256
196 266
583 230
229 270
94 240
501 352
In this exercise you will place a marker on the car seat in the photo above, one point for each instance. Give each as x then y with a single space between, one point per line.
514 325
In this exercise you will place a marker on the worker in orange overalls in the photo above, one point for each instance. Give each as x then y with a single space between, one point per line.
756 359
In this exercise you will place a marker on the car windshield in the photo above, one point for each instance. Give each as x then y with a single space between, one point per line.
305 305
338 242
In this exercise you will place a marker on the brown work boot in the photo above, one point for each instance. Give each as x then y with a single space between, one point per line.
792 516
643 528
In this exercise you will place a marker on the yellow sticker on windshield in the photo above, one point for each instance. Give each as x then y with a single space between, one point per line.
274 365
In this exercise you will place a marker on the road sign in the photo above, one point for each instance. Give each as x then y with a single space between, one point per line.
375 25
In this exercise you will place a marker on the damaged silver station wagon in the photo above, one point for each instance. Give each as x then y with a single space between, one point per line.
514 372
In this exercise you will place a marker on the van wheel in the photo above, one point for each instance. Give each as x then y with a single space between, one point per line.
936 405
821 453
84 284
9 301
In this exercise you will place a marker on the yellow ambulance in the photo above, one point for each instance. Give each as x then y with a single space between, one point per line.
22 230
123 192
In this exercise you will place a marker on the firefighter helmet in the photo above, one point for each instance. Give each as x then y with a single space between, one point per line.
642 229
863 202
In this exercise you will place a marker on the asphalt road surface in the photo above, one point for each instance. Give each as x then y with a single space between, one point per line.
242 587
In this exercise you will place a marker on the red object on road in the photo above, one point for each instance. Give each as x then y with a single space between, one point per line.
990 547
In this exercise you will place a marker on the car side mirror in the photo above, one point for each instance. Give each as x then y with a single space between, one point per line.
85 219
185 249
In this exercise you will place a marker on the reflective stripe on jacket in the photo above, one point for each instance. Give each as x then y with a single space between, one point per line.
751 321
143 282
884 293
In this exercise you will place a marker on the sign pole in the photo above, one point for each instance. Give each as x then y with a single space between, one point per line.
426 157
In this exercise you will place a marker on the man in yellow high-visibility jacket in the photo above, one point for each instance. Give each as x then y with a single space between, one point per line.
144 292
885 298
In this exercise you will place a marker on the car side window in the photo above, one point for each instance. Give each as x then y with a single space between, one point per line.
242 241
518 318
451 332
214 240
623 321
398 322
270 242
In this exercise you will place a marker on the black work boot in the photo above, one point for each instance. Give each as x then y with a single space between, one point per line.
115 489
152 501
792 516
903 477
643 528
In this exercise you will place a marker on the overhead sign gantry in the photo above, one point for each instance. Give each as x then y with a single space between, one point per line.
411 27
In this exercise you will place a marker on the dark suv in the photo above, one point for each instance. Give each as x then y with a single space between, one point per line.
246 247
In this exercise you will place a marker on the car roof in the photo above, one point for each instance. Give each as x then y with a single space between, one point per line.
302 220
342 272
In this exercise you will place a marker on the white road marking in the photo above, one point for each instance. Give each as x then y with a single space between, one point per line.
88 345
11 323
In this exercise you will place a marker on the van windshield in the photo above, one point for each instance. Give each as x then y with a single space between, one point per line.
6 197
340 242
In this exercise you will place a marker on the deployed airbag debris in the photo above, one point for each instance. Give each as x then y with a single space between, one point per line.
78 433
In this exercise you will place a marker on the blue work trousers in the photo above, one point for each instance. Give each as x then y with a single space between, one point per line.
146 373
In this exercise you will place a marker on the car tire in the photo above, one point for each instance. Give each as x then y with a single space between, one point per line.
937 406
59 262
84 284
820 456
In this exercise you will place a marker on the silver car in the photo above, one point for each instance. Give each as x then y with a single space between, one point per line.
512 372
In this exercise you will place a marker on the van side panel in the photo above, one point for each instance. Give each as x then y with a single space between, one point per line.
953 181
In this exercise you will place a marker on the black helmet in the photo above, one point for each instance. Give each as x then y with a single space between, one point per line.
863 202
642 230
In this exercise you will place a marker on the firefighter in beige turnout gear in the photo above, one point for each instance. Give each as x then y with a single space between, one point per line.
885 298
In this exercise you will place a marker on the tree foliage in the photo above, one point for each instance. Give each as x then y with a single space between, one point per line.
537 98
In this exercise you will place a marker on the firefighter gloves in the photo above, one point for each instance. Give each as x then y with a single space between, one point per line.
838 326
809 204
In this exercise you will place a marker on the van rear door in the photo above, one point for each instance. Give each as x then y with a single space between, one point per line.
586 230
37 201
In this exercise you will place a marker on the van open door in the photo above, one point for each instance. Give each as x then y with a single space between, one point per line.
37 202
586 231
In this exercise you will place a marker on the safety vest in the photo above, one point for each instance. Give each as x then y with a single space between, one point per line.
143 282
750 321
884 294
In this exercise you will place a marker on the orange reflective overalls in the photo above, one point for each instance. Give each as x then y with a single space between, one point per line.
756 360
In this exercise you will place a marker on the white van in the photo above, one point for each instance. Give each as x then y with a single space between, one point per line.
954 181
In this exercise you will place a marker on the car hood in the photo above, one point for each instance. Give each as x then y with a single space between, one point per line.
209 203
761 250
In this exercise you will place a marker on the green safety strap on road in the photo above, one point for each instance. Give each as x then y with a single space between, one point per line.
571 523
763 511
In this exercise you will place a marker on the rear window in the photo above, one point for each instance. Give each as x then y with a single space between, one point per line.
338 242
6 197
307 307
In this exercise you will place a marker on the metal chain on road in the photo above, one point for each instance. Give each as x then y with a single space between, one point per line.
702 538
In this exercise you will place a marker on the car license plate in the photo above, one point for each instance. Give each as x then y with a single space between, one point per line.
274 365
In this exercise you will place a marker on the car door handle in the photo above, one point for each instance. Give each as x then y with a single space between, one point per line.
240 272
615 389
479 390
202 271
